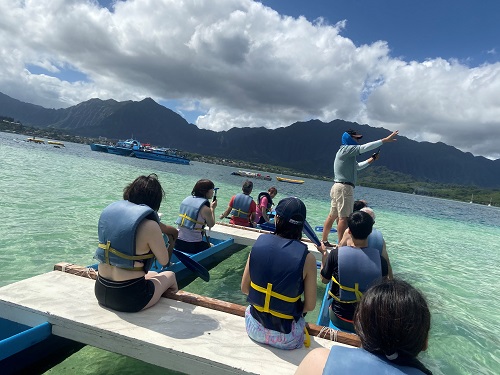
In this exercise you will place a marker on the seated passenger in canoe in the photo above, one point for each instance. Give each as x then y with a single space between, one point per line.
265 204
393 323
279 271
242 207
375 240
196 213
130 240
352 270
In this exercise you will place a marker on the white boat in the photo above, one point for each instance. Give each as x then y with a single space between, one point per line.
252 175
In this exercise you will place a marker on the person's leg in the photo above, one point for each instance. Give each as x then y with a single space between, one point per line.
345 203
341 227
162 281
332 216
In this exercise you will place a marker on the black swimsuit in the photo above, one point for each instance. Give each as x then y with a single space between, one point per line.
127 296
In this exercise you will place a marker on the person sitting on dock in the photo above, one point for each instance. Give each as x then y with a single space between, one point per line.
352 269
375 240
279 270
265 204
130 239
393 322
195 213
242 207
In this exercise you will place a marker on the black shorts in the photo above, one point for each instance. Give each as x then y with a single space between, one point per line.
127 296
191 247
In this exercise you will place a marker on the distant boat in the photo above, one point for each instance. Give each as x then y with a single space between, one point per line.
489 204
34 140
56 143
471 198
98 147
161 154
289 180
124 148
252 175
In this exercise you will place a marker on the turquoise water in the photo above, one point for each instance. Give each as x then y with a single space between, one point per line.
51 199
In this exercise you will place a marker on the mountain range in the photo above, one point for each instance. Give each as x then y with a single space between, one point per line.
307 147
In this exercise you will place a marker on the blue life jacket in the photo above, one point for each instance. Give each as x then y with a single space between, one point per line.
376 240
241 205
117 231
269 199
188 212
345 361
358 270
276 276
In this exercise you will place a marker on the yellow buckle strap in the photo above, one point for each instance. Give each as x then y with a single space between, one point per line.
307 338
267 300
241 212
354 290
186 217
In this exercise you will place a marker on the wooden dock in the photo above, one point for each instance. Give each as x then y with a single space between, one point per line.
247 236
172 334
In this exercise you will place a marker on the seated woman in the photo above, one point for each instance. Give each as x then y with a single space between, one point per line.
196 212
393 322
278 272
130 239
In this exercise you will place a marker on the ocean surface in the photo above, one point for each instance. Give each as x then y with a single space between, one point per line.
51 199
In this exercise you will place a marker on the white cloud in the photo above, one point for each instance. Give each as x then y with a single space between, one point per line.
242 64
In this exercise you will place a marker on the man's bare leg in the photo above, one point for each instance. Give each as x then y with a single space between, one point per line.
327 226
341 227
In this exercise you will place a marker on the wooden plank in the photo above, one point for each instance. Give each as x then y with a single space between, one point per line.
247 236
172 334
228 307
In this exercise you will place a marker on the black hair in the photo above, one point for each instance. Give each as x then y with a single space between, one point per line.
393 319
247 187
202 187
288 230
145 190
360 224
358 205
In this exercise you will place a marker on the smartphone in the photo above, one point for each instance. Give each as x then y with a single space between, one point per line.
215 194
374 155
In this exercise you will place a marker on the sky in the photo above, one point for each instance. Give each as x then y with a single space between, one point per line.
430 69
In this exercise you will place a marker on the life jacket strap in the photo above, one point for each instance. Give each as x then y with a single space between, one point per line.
186 217
354 290
108 249
267 300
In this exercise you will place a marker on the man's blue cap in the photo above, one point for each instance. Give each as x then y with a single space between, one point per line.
348 138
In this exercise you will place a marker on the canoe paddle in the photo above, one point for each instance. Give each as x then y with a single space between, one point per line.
192 265
320 229
310 233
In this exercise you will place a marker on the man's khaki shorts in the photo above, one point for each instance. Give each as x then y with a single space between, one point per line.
342 202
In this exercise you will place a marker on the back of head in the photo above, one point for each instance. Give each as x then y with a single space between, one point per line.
393 319
360 225
145 190
247 187
291 213
358 205
369 211
202 187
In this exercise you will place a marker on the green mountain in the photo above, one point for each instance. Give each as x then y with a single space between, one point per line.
307 147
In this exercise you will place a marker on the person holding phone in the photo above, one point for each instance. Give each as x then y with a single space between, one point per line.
345 169
196 212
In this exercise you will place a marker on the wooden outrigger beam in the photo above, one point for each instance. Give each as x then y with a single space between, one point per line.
215 304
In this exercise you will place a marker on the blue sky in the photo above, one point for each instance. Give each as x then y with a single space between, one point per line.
428 68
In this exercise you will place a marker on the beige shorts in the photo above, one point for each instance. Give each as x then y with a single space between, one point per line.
342 202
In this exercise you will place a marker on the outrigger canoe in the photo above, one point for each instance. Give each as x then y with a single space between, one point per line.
289 180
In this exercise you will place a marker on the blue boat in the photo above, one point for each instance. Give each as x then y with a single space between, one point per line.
98 147
161 154
125 148
323 315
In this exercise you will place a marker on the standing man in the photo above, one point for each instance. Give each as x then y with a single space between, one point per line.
345 169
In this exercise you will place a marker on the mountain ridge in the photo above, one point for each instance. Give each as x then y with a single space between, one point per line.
308 147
